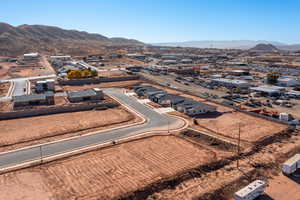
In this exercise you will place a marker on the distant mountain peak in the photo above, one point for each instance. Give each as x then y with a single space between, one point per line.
264 47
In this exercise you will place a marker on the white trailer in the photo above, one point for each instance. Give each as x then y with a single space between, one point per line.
291 165
251 191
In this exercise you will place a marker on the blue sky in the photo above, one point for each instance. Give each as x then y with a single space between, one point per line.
164 20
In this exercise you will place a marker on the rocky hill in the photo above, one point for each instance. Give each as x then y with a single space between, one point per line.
27 38
264 48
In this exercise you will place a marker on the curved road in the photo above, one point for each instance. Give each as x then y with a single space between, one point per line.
155 121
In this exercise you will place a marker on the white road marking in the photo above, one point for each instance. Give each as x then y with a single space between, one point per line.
164 110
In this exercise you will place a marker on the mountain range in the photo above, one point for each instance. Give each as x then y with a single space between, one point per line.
16 40
229 44
31 38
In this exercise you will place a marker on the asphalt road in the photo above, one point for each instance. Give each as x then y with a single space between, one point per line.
29 78
193 88
155 121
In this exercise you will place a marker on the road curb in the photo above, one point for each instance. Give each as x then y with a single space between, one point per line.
48 159
11 89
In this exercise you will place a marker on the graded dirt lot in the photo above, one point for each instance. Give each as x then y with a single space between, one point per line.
32 130
36 68
280 184
119 84
4 70
251 128
107 173
6 106
4 87
222 183
115 73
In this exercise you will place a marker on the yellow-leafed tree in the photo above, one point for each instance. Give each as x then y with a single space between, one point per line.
77 74
74 74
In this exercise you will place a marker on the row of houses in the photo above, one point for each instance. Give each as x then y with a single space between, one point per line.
179 103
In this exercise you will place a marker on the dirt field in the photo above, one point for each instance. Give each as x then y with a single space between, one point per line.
114 73
4 87
4 70
251 128
223 182
36 68
121 84
6 106
279 185
30 71
32 130
106 173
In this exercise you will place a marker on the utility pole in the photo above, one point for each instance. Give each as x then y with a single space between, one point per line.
238 148
238 154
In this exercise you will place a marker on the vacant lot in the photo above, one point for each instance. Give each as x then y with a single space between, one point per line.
279 185
51 127
119 84
224 182
106 173
114 73
4 69
251 128
4 87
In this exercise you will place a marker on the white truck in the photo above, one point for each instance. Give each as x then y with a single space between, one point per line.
291 165
251 191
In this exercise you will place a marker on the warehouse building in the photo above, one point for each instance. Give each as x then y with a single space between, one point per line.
94 94
31 56
270 91
61 58
136 56
286 81
230 83
169 62
186 61
238 72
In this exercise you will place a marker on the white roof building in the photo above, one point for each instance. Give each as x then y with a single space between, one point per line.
286 81
231 82
251 191
31 55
